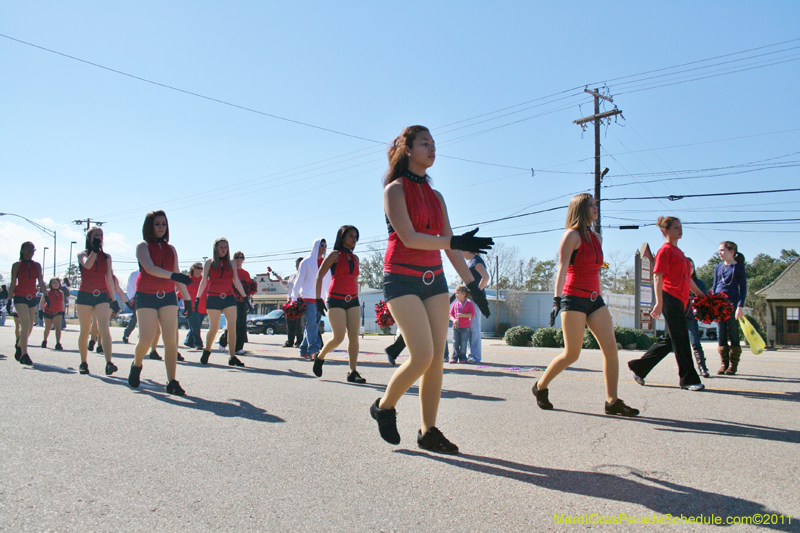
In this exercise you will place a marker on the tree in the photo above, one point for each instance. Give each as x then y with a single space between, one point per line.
540 275
618 278
73 275
506 258
514 300
371 268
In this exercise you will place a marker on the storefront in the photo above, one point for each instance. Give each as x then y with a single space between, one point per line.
270 295
783 307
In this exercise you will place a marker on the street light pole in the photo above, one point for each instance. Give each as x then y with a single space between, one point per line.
44 255
47 231
70 259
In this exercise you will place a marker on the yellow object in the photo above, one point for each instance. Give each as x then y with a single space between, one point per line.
755 341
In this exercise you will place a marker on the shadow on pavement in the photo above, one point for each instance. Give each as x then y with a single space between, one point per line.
627 485
711 427
234 409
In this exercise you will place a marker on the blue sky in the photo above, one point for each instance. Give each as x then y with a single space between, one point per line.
82 141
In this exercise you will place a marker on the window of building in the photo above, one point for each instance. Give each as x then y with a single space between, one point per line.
793 320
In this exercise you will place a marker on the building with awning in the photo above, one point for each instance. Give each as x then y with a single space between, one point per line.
783 307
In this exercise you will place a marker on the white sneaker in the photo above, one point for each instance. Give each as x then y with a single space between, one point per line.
241 352
695 387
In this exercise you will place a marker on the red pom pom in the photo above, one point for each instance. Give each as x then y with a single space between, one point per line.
712 308
383 316
294 310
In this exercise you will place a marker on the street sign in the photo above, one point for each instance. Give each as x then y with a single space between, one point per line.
646 294
646 273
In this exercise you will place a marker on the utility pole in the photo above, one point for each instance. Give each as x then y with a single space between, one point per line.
88 222
597 118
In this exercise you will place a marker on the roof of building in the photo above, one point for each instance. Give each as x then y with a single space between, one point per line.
786 286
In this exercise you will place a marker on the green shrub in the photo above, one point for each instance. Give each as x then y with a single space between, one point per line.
548 338
589 342
518 336
502 327
627 336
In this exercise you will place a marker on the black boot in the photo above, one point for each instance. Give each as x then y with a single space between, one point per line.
700 357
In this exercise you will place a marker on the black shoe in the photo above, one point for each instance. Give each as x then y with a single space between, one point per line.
25 360
541 397
619 408
133 377
84 368
59 347
154 355
91 346
204 357
434 441
287 344
180 358
99 347
175 388
234 361
318 366
387 422
124 340
355 377
17 352
392 354
44 344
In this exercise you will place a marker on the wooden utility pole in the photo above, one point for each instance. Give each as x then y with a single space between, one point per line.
88 222
597 118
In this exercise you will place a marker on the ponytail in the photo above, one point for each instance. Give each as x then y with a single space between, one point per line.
739 258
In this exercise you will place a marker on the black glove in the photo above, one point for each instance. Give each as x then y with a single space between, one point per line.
96 245
321 306
8 305
469 242
187 307
556 310
197 303
478 297
115 306
180 278
47 300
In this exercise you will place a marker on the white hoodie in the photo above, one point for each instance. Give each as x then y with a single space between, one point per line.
305 286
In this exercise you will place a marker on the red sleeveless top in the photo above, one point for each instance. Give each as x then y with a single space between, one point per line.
56 304
27 275
425 212
94 278
583 275
220 280
163 257
344 278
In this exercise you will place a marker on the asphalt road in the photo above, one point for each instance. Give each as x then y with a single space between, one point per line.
269 447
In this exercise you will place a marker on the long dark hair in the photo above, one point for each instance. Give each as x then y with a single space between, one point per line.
148 229
737 256
398 160
24 244
339 244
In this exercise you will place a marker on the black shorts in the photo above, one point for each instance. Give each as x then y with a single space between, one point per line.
51 317
152 301
92 298
218 303
587 306
396 285
343 303
33 301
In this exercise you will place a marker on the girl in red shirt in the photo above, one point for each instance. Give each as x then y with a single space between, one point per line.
53 312
414 286
344 309
222 278
579 300
156 302
22 291
94 297
672 281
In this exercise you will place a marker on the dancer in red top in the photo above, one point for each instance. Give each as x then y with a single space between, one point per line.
156 303
53 312
22 291
94 297
222 278
580 256
672 282
344 309
414 285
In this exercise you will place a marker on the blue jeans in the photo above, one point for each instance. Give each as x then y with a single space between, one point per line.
460 339
475 338
193 338
312 343
694 335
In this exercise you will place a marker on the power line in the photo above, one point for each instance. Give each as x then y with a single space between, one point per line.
673 197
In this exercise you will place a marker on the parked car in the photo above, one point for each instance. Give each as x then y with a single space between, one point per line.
274 323
183 322
123 319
